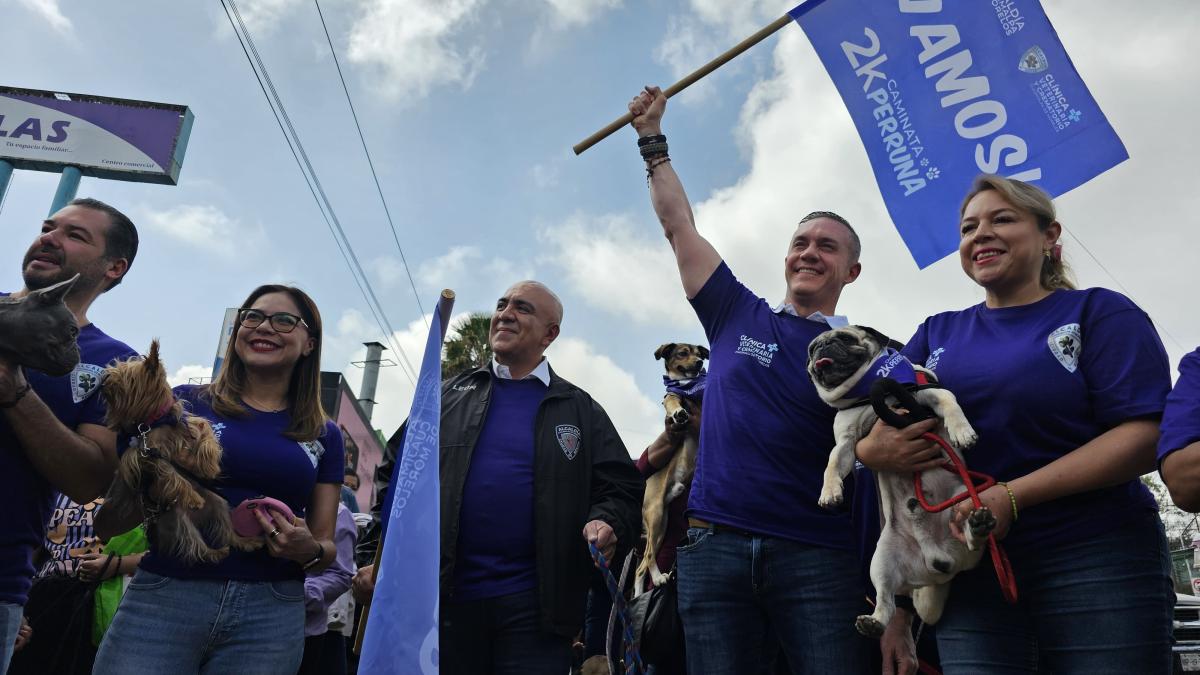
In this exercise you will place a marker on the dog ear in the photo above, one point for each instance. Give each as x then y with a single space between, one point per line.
56 293
883 340
703 351
152 362
664 350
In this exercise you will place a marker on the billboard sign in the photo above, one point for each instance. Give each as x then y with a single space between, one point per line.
111 138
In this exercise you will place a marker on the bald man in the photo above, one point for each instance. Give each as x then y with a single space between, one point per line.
531 467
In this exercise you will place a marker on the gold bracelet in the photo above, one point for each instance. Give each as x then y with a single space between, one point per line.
1011 498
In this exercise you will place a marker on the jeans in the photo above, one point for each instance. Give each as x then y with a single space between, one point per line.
10 623
737 590
184 626
500 636
1098 606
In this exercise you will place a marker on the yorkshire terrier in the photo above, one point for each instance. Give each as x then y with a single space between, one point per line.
168 470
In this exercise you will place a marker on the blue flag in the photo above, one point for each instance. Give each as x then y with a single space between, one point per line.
402 626
941 92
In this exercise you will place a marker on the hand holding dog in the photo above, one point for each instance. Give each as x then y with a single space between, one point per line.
897 647
647 109
601 534
887 448
994 498
12 379
294 541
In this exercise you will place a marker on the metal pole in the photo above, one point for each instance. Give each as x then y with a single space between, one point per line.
68 186
6 172
366 395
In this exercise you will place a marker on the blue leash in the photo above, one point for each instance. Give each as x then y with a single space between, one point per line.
633 659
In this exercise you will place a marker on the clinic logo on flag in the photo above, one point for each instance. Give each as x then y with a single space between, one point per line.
569 439
1034 61
1065 343
85 380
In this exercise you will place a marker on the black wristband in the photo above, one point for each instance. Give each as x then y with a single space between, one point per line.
317 559
647 140
17 398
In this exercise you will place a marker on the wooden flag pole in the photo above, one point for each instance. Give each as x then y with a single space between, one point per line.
445 307
688 81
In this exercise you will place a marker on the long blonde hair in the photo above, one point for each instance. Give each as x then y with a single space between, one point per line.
304 389
1055 273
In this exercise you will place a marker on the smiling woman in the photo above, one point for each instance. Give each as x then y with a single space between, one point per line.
277 443
1065 388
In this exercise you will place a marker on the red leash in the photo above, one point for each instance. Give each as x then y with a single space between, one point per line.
1004 572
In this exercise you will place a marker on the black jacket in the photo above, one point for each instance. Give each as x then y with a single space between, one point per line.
594 479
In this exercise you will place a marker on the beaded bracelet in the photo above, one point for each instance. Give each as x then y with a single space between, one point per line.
647 140
652 164
1011 498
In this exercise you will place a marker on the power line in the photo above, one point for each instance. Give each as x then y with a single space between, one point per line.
1120 285
370 163
313 182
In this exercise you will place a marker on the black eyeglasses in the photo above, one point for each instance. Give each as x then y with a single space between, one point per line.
282 322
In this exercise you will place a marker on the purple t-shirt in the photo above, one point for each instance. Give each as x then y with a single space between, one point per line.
1181 418
26 499
765 435
496 554
258 460
1040 380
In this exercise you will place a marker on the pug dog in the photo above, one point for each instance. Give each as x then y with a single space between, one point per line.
916 552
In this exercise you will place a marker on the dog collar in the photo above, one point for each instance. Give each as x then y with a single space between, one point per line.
160 414
690 388
889 363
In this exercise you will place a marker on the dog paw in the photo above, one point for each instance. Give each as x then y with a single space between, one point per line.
980 524
680 417
961 435
869 626
831 496
658 577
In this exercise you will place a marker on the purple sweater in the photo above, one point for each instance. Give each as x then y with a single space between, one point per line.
324 587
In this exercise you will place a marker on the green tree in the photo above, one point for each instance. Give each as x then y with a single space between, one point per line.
469 347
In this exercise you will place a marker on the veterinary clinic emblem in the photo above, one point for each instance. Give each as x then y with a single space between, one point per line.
1066 342
85 380
1033 61
569 439
314 450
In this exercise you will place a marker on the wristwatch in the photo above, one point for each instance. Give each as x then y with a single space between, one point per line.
317 558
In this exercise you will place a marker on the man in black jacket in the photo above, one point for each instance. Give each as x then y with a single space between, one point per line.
531 467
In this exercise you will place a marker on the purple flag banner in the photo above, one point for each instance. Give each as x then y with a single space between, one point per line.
943 91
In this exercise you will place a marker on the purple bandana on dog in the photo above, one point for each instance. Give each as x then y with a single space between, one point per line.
889 363
691 388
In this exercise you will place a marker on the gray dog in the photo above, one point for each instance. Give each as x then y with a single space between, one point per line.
38 331
916 552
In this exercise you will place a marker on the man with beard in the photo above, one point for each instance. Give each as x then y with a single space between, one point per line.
52 434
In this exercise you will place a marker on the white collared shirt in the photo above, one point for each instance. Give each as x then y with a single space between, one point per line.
832 320
540 372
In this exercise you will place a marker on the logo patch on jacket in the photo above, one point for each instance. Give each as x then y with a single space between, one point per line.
1065 343
85 380
569 439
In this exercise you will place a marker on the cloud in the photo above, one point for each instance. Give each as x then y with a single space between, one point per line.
576 13
619 265
414 45
262 17
202 226
190 374
51 12
445 270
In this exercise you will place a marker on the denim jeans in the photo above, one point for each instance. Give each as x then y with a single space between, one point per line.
1099 606
10 623
500 636
736 590
185 626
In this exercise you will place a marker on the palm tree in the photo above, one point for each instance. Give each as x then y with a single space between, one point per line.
469 348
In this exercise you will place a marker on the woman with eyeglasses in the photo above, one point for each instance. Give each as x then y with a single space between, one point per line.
245 614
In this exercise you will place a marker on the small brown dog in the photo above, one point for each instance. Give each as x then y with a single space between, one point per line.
170 460
685 379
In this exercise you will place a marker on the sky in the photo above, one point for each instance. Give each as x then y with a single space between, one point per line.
470 108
